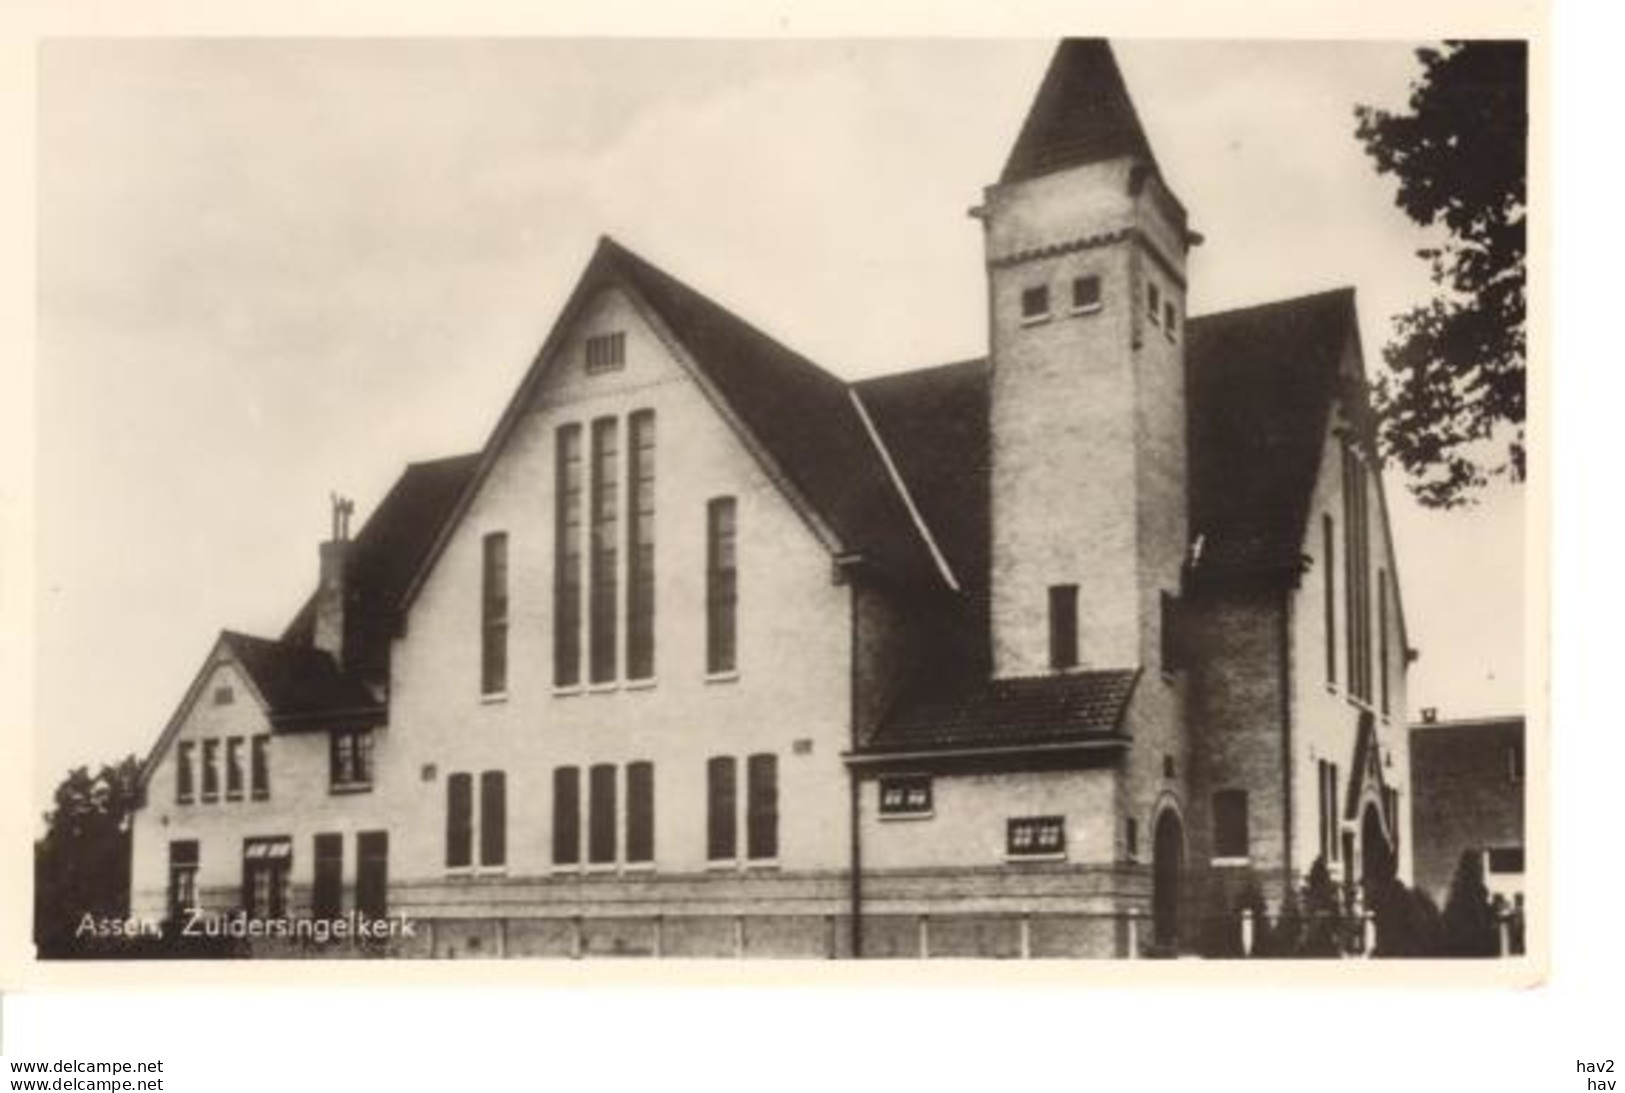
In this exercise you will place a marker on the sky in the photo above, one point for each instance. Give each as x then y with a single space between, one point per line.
272 270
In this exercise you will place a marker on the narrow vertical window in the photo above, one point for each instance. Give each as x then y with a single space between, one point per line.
640 812
1230 824
721 586
211 770
640 545
185 787
459 821
372 873
567 558
259 768
183 866
494 615
234 768
1357 561
1331 806
1382 637
1323 774
493 818
604 562
722 805
762 807
1063 626
327 888
1173 654
601 814
1329 593
1153 301
1131 838
567 816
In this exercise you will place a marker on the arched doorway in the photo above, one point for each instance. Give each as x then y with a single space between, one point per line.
1376 858
1167 868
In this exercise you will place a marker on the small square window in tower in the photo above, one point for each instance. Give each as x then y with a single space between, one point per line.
1035 304
1085 294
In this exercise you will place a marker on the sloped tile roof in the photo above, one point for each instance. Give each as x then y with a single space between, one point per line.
1262 384
1074 707
802 415
301 685
1082 114
934 422
385 555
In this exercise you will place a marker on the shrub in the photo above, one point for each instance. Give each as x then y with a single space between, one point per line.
1469 927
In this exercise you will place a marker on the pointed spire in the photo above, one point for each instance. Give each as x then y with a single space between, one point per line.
1082 114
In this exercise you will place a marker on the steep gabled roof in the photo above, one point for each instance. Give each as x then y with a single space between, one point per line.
384 557
934 422
1038 711
1262 382
799 418
303 686
1081 115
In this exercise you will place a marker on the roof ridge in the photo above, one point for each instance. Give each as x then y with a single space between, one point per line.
1285 301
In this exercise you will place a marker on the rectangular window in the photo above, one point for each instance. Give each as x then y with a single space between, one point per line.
721 586
183 866
1357 561
223 696
211 770
493 819
1035 303
459 821
1230 824
1170 317
259 767
184 785
1131 838
1063 626
1333 796
1382 638
327 887
494 615
640 545
1503 859
1173 657
1086 293
567 558
604 561
601 814
1035 837
1329 592
762 807
722 809
905 795
640 812
234 768
606 352
372 873
1153 301
349 761
267 866
567 816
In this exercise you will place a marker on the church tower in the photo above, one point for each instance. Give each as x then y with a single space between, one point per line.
1086 249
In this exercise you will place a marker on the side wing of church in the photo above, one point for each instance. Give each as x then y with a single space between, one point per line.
1073 649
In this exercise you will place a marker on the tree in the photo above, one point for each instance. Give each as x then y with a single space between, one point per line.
1451 407
82 862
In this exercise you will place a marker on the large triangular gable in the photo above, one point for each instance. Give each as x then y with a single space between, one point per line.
799 422
219 653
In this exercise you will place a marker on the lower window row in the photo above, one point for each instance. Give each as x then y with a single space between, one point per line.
267 876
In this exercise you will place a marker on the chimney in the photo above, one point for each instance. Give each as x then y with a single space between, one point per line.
332 593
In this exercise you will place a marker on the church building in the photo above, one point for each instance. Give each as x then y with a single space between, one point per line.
1068 650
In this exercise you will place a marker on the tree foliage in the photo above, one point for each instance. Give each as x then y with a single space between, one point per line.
1451 408
82 862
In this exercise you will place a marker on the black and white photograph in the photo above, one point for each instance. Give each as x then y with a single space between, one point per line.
915 500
